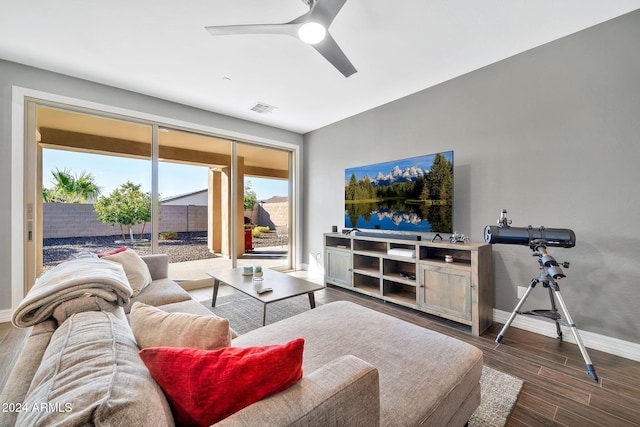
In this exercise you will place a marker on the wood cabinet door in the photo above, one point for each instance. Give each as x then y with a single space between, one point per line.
339 267
447 290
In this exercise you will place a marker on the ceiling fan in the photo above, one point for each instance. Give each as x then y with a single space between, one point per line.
311 27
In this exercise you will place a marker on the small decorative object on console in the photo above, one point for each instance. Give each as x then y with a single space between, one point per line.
458 238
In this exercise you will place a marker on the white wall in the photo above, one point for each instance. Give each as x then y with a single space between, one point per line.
552 135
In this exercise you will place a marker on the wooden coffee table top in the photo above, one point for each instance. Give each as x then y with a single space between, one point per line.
283 285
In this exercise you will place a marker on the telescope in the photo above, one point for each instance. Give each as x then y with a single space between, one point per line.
550 271
528 236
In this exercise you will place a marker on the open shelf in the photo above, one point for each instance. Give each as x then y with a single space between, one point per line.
399 292
438 254
371 246
366 264
338 242
395 245
400 271
366 283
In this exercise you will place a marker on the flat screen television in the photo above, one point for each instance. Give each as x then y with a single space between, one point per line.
408 195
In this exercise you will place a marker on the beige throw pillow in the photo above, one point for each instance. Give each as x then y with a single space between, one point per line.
135 268
153 327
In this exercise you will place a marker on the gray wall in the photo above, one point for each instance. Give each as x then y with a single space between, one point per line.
552 135
32 78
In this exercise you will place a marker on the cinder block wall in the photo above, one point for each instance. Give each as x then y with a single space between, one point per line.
272 215
80 220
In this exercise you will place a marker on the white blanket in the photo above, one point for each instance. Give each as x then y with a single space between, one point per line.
72 279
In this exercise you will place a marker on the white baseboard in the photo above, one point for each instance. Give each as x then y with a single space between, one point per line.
5 315
547 328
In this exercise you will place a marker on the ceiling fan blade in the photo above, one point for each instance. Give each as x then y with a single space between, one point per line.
332 52
321 11
289 29
325 11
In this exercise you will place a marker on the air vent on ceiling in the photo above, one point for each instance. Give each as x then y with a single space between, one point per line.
263 108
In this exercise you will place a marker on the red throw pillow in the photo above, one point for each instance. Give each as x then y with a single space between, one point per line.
113 252
204 387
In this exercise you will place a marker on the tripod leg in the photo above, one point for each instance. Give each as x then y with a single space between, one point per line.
532 285
555 310
590 369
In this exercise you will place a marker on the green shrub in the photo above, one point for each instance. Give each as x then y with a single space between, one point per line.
168 235
257 231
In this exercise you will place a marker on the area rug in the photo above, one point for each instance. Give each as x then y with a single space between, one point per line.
245 313
499 393
499 390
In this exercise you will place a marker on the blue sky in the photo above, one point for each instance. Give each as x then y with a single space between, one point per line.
423 162
174 179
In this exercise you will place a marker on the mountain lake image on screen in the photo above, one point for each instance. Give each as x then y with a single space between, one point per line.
408 195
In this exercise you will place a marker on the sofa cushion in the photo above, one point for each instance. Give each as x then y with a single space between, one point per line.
207 386
194 307
160 292
91 374
158 265
153 327
134 267
188 306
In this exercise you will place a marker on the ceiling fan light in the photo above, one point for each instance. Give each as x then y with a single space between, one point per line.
312 32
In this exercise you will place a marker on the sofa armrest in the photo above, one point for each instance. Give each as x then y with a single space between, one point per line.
158 265
25 367
342 392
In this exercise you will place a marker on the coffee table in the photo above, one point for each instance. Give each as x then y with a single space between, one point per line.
284 286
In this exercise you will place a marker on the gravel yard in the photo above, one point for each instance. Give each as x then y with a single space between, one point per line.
187 247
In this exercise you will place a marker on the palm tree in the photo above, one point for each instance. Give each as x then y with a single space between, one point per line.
69 188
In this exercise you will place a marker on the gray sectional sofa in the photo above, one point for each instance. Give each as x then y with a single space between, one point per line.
361 368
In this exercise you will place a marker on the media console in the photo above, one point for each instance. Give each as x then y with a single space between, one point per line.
416 274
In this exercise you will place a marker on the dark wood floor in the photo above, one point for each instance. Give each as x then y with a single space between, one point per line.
556 389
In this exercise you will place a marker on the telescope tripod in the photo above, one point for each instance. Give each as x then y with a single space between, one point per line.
554 293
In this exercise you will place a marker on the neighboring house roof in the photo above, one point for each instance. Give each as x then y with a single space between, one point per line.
276 199
200 195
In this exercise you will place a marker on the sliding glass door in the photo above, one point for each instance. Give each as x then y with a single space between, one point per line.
76 162
193 185
267 209
196 185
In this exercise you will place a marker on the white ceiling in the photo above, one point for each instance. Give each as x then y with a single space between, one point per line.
161 48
